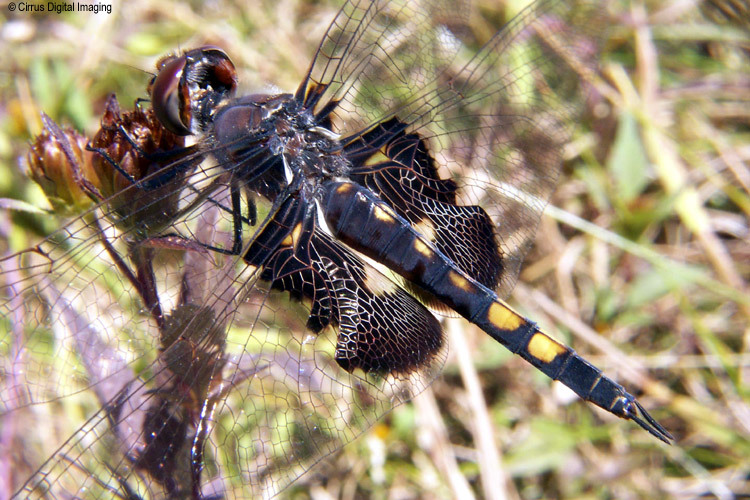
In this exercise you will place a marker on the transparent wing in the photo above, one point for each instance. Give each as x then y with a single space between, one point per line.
234 394
495 121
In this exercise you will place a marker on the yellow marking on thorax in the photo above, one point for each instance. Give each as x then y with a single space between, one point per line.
344 188
503 317
293 237
544 348
377 157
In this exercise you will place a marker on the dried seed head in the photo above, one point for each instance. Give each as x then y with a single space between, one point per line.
145 136
133 147
58 161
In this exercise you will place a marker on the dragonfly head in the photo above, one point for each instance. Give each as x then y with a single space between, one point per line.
187 89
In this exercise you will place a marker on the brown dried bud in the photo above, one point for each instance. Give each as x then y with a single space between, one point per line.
59 163
138 144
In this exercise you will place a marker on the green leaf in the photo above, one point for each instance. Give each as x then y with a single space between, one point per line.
627 161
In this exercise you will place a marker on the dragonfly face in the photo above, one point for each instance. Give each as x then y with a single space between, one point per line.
394 155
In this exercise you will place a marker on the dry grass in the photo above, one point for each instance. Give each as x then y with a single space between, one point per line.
641 262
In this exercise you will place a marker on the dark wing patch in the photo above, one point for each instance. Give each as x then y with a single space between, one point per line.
381 328
398 167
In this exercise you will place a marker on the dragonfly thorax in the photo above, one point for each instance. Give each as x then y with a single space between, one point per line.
261 136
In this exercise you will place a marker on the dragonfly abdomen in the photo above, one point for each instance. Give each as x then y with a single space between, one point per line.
370 226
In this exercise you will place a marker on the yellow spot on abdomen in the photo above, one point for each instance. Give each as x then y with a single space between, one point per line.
503 317
544 348
422 248
381 214
459 281
426 228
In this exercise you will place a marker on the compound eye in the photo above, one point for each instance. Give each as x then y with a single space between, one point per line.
167 99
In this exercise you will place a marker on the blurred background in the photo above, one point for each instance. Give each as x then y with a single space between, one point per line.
641 261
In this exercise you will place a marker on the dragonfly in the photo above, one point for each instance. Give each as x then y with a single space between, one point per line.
253 279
